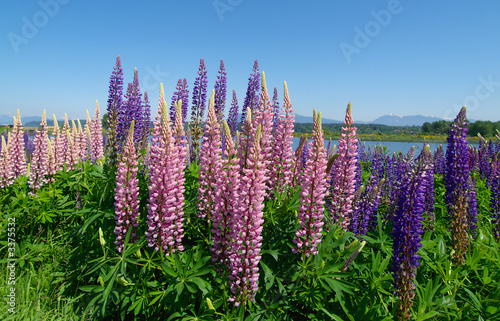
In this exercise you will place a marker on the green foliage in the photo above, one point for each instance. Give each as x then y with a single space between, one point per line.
68 267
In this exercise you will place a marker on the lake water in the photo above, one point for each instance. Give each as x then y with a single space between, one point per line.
392 147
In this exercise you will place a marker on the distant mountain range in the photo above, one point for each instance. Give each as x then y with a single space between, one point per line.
389 120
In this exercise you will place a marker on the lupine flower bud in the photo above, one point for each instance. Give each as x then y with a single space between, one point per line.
16 148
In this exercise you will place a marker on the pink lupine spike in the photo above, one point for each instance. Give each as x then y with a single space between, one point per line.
127 193
71 156
225 215
166 198
83 138
51 163
210 162
344 186
313 192
244 140
96 142
282 161
39 167
16 148
6 173
247 226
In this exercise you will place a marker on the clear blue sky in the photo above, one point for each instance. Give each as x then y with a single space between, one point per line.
401 57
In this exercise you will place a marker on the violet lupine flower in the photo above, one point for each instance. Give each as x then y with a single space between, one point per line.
210 163
313 191
252 95
232 119
282 159
429 215
166 199
175 97
127 193
114 107
407 231
247 227
276 111
136 109
244 140
7 176
220 92
343 187
439 161
39 165
30 147
146 122
365 207
402 166
495 197
225 215
456 184
298 167
199 100
96 147
16 148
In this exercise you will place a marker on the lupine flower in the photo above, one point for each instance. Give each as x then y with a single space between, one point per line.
247 227
276 111
456 183
495 197
439 161
232 119
402 165
16 148
58 146
220 92
146 123
244 140
39 165
30 147
313 192
407 231
166 200
175 97
71 157
343 187
114 107
51 163
297 160
96 148
6 172
127 193
210 163
472 206
252 95
282 160
83 140
365 207
199 100
225 215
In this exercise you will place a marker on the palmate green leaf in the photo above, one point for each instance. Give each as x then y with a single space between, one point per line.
167 269
203 285
268 275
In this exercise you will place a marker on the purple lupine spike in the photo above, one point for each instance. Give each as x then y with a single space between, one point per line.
495 197
225 214
276 111
96 148
30 146
247 227
146 122
252 95
297 161
342 192
402 166
429 215
6 172
282 160
210 163
245 140
115 97
313 191
366 206
199 100
220 92
407 231
184 98
137 109
484 159
439 161
232 119
127 193
166 200
16 148
175 97
39 165
456 184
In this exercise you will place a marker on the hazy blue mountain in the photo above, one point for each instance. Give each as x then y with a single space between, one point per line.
396 120
9 120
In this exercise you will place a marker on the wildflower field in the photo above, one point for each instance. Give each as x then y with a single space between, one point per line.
218 218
